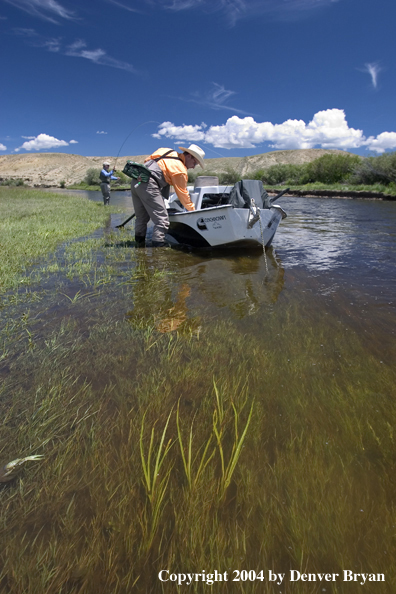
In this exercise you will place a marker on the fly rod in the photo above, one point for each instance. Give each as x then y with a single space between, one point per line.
118 154
130 133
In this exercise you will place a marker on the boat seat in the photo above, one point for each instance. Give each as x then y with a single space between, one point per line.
209 200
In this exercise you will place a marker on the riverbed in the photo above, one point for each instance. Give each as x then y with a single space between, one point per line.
277 376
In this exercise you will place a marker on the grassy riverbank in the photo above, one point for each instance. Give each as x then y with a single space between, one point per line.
176 436
389 190
33 223
343 189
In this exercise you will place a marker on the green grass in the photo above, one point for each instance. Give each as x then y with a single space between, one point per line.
33 223
384 189
216 442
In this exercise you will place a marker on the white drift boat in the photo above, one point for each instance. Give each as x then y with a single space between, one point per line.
241 216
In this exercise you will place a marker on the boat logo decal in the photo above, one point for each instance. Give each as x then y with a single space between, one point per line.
201 225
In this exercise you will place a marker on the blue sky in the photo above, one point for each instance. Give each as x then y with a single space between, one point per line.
237 77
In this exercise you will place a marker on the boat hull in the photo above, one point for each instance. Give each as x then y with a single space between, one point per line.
223 227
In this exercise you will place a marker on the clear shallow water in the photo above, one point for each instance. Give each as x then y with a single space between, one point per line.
345 250
120 198
310 341
354 240
342 251
340 235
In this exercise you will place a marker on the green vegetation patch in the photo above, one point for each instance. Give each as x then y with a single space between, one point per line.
33 223
344 172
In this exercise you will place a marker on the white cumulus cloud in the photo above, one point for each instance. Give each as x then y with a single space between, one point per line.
73 141
42 141
327 129
101 132
2 147
384 141
183 132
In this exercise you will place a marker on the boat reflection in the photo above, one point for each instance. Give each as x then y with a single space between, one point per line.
188 286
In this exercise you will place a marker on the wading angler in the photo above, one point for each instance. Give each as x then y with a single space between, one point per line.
105 177
164 168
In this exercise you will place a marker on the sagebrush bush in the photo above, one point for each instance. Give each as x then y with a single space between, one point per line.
124 179
283 173
229 176
92 177
373 170
328 169
12 182
332 169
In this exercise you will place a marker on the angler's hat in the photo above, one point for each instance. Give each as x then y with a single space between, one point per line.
106 163
196 152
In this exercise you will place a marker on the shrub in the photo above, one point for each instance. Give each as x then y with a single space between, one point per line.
373 170
92 177
281 174
332 169
192 176
62 184
124 179
229 176
12 182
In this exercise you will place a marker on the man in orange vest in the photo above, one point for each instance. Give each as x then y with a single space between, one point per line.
168 168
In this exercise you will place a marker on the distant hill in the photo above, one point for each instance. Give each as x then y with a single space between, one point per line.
50 169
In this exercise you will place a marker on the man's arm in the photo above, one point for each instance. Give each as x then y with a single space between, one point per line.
179 182
107 173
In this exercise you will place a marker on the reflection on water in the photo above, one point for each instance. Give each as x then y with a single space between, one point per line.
326 234
162 309
331 247
217 285
238 284
141 335
342 245
319 234
119 198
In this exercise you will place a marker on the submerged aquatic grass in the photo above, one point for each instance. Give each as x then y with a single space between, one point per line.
310 461
140 396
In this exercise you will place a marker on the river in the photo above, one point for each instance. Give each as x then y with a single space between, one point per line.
283 365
